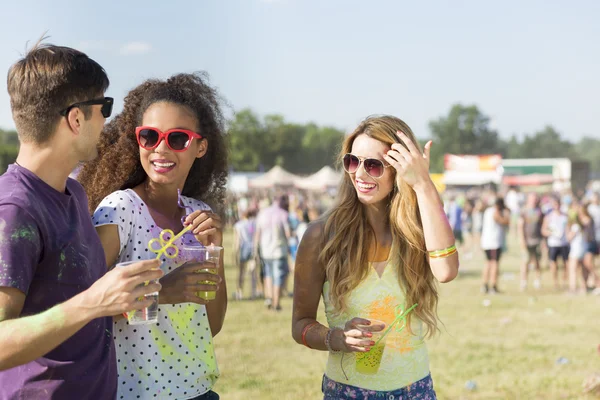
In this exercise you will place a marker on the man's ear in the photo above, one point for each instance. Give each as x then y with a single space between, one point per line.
74 118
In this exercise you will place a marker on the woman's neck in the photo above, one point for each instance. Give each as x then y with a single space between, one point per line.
164 200
379 220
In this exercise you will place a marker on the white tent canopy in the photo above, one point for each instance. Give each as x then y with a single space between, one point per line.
325 178
276 176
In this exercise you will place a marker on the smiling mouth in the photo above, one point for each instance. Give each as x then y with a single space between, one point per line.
365 187
162 166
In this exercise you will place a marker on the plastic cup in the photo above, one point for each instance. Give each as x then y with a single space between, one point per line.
205 256
145 316
368 363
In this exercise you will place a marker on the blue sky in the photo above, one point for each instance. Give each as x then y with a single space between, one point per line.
524 63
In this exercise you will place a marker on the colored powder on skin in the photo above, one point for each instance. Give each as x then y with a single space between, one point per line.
3 314
38 323
55 315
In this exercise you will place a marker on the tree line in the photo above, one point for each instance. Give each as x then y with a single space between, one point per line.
259 143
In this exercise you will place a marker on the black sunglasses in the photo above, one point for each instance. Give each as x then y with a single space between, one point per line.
106 110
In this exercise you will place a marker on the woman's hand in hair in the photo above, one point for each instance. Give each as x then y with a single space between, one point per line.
411 166
206 227
352 338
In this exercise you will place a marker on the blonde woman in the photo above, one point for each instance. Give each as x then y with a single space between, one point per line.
377 253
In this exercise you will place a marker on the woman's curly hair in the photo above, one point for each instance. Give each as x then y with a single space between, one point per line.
118 165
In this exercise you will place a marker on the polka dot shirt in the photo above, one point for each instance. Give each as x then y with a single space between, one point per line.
173 359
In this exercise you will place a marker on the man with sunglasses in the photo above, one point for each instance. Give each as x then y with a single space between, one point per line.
56 298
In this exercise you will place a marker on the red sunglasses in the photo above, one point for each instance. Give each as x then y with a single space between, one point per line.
177 139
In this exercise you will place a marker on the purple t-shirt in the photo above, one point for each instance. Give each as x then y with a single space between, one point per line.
50 251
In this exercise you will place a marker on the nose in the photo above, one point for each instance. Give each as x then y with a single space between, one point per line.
361 173
162 146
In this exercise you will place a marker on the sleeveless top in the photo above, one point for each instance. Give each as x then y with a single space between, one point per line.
405 359
492 233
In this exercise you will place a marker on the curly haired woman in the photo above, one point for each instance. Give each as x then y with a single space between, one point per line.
169 137
373 258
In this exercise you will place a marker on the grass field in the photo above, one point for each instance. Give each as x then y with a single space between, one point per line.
509 348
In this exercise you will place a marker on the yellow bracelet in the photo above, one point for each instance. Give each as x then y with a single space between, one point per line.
442 253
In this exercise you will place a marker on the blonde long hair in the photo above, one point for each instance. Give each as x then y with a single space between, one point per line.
348 235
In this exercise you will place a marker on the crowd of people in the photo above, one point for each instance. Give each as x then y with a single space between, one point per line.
264 250
554 230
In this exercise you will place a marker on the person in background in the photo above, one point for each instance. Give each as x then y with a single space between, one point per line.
477 217
496 221
590 247
243 250
594 211
454 212
577 245
303 225
272 235
513 203
554 228
467 229
530 236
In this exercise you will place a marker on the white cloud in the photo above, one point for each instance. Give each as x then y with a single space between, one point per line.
135 48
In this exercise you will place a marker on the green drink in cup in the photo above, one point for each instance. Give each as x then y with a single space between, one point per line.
368 363
208 258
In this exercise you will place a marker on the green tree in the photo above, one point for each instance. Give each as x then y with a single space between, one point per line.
546 143
247 141
301 149
464 131
321 146
9 148
285 143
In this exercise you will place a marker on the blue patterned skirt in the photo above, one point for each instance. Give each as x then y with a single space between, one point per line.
420 390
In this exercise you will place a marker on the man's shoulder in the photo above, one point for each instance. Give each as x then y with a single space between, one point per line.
15 191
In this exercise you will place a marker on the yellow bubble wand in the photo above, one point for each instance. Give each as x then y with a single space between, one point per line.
164 245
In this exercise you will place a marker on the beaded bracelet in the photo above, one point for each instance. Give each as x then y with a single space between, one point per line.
305 331
443 253
328 341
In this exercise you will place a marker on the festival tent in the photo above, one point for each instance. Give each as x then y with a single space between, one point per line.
324 179
275 177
